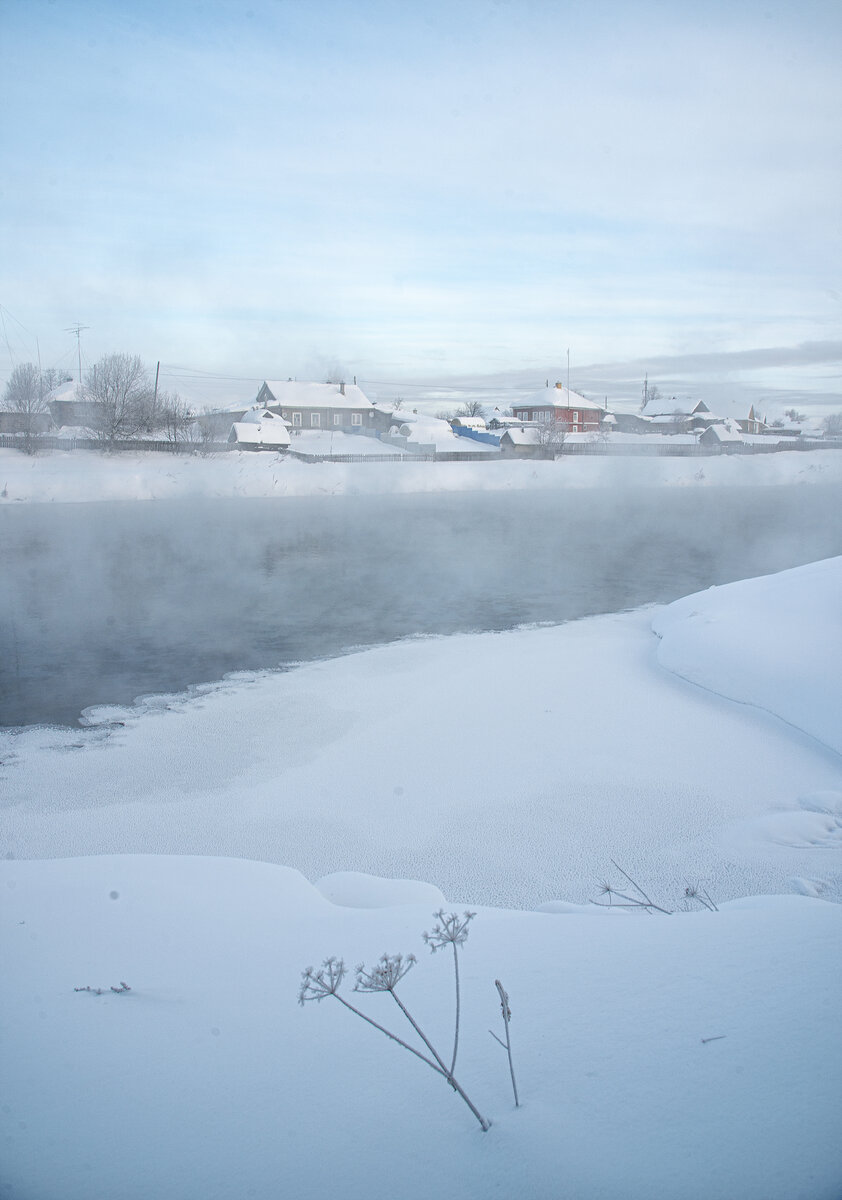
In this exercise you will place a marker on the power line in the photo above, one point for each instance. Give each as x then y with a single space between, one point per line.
198 373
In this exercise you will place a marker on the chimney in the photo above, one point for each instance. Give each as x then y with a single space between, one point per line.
342 388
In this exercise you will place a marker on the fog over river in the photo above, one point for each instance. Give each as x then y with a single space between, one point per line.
100 603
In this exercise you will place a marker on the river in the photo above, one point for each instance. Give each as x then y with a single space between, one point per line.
102 603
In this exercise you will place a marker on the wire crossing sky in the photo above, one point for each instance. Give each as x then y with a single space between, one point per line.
428 190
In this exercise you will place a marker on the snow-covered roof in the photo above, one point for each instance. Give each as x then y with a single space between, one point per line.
65 391
672 406
256 416
523 435
559 397
290 393
503 419
726 431
418 425
265 433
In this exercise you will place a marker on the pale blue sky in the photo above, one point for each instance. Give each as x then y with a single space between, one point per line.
423 190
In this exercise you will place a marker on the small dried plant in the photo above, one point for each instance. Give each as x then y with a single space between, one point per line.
507 1045
451 930
639 899
618 899
384 976
700 895
98 991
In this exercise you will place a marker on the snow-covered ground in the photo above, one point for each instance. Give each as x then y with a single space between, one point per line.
328 441
83 475
694 1055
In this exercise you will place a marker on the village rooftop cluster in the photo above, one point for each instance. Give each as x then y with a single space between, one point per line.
337 421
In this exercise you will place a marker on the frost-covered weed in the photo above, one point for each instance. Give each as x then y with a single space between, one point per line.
384 976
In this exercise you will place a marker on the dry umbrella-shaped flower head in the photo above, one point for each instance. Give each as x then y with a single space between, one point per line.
386 975
315 985
450 930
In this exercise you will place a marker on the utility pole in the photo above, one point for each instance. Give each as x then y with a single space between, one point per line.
77 329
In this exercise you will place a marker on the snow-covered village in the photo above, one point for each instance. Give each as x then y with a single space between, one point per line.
116 408
421 602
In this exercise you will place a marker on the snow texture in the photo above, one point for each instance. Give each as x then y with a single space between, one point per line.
82 475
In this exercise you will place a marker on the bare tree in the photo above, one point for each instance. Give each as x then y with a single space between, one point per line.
202 435
470 408
25 395
552 433
832 424
119 394
176 418
651 394
52 377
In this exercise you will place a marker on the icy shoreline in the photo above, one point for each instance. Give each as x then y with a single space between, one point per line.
547 752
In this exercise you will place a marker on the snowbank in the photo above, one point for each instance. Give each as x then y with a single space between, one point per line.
773 642
83 475
695 1056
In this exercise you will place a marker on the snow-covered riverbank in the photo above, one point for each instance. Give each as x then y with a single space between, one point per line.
87 476
694 1055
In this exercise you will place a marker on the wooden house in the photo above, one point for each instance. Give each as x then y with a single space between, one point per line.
327 406
559 406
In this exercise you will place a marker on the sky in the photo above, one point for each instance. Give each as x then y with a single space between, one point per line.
448 191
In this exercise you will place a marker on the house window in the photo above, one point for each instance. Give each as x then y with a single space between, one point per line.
296 418
575 418
315 420
371 415
356 418
285 414
337 419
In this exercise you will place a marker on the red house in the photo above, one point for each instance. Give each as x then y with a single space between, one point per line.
559 406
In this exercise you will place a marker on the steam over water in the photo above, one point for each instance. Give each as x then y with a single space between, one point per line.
102 603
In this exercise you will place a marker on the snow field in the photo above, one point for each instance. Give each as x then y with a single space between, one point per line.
83 475
207 1079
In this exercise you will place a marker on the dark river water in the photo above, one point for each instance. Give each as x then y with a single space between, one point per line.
100 603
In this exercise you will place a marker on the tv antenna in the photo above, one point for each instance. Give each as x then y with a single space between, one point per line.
77 329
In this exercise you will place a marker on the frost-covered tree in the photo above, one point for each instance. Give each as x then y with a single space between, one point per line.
26 395
832 424
119 394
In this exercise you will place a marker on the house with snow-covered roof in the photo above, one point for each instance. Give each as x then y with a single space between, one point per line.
726 436
259 429
681 415
69 407
332 406
524 441
560 406
676 415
